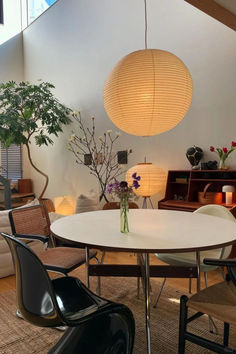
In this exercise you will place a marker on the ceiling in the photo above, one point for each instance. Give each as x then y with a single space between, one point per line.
222 10
228 4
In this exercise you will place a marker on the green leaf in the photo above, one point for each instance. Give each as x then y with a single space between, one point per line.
25 108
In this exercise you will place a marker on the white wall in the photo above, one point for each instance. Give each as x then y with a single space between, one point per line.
76 43
12 19
11 59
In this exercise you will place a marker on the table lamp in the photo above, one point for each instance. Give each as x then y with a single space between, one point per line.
228 190
151 181
64 205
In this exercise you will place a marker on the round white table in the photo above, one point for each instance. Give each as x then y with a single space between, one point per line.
151 231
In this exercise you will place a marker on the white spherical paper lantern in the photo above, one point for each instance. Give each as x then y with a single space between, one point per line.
148 92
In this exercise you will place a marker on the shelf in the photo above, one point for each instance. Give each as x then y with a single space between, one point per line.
212 180
21 195
187 185
183 204
18 199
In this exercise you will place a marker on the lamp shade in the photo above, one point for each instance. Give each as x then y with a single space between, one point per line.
228 188
64 205
148 92
152 178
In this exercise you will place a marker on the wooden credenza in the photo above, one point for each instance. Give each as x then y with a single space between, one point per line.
183 186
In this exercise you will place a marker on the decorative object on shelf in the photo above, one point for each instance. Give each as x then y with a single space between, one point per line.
194 154
97 154
64 205
124 192
206 197
148 92
223 154
152 178
210 165
24 185
38 116
228 190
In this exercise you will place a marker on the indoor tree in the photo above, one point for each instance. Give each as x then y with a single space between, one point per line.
30 111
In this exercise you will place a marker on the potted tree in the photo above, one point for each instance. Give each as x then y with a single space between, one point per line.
30 111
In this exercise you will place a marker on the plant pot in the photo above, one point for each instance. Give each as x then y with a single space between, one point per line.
48 204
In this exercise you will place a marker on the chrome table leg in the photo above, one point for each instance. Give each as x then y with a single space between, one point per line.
87 265
198 271
147 300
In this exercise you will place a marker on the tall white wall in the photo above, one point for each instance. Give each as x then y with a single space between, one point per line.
11 59
11 62
12 19
76 43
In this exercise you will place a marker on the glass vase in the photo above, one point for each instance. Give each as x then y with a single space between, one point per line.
124 211
222 165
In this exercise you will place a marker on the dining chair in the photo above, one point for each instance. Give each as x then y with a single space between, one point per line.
33 223
189 259
218 301
95 325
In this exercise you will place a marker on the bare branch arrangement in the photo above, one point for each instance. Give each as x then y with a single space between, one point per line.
97 154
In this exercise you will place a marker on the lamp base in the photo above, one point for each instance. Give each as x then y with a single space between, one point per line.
145 199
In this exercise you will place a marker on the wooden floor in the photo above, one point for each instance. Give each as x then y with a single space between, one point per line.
8 283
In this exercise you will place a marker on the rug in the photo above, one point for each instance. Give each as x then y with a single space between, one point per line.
19 337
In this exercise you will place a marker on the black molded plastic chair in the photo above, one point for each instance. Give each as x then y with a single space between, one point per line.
218 301
96 325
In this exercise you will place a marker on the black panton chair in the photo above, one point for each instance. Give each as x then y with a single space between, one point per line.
218 301
95 325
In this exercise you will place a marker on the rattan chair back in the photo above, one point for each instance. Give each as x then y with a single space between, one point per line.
31 221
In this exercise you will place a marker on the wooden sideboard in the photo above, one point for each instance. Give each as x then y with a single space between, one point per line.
24 195
183 186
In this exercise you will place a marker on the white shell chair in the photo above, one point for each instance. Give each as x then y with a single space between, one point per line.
189 259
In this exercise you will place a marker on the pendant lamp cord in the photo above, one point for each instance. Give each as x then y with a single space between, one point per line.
145 18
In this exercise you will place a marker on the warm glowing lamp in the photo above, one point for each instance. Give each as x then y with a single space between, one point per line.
64 205
228 190
151 182
148 92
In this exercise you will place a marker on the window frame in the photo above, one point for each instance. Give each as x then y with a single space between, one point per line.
1 13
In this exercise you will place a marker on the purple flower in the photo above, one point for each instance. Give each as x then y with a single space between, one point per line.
109 188
135 184
134 176
123 184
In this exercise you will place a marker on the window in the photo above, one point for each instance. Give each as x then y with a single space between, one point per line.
37 7
11 162
1 12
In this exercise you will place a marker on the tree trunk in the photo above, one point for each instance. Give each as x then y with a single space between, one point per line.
42 173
